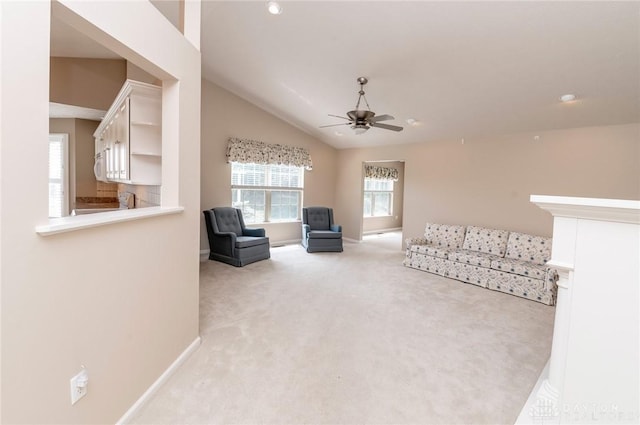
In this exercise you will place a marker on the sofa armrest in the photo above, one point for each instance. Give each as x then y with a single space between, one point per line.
258 232
550 279
415 241
336 228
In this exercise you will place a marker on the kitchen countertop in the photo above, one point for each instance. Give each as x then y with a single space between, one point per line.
87 202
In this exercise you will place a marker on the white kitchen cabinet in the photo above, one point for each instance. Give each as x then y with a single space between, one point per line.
130 135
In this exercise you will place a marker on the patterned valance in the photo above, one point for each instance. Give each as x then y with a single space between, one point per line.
254 152
380 173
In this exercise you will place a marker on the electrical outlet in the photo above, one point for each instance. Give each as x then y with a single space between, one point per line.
79 385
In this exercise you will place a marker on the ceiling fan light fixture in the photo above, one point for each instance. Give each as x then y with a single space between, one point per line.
413 122
274 7
360 128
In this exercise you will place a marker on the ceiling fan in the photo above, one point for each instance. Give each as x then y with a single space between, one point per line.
362 120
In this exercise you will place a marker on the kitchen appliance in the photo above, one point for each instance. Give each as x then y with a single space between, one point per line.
100 166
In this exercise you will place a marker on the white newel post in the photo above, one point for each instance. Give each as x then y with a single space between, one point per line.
593 373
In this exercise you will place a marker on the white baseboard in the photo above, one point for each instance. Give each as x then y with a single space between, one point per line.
158 383
204 255
373 232
288 242
351 240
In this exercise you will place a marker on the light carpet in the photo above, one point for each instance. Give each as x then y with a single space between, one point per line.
353 337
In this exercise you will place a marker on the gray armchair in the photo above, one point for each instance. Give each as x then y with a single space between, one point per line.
230 241
318 231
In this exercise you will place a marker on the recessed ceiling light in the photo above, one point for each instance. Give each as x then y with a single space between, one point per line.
338 133
274 7
568 97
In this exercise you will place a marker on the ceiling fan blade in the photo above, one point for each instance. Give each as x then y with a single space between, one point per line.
386 126
338 116
334 125
384 117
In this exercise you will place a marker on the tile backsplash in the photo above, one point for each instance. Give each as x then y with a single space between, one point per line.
146 196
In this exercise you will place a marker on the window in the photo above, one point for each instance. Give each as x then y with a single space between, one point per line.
267 193
58 175
378 198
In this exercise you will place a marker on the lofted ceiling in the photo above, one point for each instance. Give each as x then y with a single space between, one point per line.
461 69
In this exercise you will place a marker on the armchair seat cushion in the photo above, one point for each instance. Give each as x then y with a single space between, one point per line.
319 232
247 241
230 241
324 234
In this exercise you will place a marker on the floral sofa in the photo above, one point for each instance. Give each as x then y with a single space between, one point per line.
510 262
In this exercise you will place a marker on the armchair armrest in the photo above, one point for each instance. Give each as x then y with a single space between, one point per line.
336 228
227 244
259 232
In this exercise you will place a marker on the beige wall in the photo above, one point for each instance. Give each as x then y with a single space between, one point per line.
90 83
488 181
226 115
120 299
86 183
373 224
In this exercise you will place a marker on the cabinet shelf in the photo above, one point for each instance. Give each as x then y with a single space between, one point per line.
159 155
146 123
131 135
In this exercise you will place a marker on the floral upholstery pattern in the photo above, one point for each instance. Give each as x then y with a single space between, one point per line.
491 241
444 235
525 287
380 173
479 256
430 250
427 263
519 267
469 273
255 152
535 249
473 257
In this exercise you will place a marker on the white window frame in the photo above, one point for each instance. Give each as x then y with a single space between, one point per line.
268 189
63 181
373 198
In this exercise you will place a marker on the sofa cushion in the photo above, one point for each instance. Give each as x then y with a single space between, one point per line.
523 268
431 250
444 235
474 258
490 241
534 249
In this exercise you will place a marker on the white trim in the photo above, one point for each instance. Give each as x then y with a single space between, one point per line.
530 413
619 210
71 223
373 232
277 244
204 255
159 382
351 240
